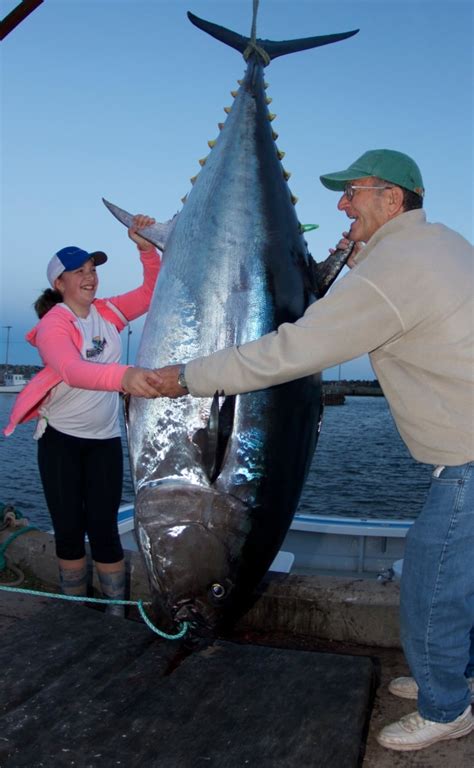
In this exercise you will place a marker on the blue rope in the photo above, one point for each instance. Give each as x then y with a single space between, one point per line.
79 598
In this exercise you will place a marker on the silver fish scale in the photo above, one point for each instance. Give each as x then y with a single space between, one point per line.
213 290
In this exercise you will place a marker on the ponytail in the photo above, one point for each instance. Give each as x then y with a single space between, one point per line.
48 299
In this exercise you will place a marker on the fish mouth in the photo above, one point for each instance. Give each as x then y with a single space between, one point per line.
202 621
192 618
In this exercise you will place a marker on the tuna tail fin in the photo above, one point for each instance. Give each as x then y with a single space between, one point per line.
272 48
157 234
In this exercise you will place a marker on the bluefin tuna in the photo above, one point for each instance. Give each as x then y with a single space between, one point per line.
217 481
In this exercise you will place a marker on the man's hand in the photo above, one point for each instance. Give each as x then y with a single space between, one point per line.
139 222
168 381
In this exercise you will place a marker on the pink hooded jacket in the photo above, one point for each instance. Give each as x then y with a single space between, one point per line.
59 342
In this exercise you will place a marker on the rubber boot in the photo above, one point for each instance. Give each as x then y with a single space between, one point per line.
73 581
113 588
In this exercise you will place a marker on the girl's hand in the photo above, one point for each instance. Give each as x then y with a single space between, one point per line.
139 222
141 382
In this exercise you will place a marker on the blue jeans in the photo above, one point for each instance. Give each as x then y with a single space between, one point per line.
437 595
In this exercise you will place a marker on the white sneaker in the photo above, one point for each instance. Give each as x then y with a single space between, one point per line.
414 732
406 687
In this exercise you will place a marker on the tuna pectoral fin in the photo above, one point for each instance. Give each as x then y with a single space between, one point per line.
212 439
324 273
158 234
272 47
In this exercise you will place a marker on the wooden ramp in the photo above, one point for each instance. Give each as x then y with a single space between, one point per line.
80 689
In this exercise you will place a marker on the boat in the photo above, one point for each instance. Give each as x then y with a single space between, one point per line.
325 545
12 383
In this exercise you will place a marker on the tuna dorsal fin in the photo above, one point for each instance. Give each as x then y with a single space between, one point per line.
273 48
157 234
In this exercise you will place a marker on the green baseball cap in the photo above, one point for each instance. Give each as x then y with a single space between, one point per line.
386 164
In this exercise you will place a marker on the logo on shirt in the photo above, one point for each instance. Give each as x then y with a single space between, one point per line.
98 346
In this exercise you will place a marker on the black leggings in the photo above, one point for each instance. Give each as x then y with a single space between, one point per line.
82 482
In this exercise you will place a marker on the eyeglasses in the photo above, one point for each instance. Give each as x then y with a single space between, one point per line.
349 188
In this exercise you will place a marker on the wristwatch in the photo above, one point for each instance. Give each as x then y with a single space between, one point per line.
181 379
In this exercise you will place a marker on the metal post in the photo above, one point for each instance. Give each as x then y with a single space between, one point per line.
8 327
129 333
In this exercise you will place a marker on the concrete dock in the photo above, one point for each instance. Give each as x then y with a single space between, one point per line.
301 659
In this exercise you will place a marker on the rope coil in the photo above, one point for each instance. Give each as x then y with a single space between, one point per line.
12 518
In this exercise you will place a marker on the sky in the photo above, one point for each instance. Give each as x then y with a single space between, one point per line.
118 98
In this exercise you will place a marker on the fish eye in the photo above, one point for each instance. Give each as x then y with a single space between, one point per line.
218 591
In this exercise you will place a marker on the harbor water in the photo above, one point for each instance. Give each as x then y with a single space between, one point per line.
361 467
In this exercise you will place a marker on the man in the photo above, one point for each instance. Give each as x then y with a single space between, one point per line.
408 303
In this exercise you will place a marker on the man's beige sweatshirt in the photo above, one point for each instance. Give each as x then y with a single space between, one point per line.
409 304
